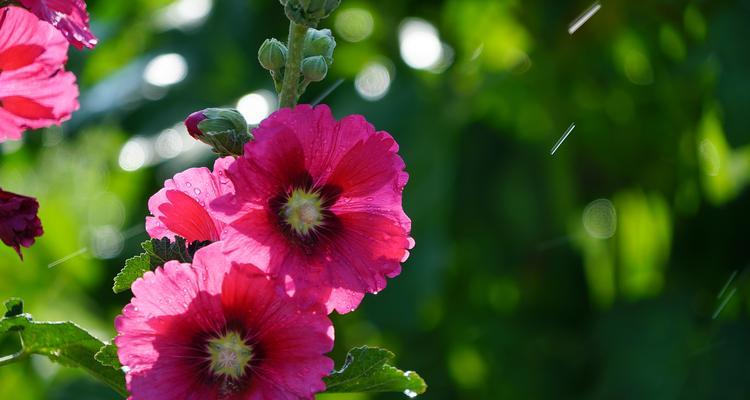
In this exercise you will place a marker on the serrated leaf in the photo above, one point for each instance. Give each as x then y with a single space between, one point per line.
65 343
107 356
195 246
163 250
369 369
134 268
156 253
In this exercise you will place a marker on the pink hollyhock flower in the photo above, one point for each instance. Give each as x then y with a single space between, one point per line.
320 202
35 92
69 16
180 208
19 223
216 330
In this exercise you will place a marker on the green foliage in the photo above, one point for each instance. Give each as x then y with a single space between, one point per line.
107 355
14 307
369 369
63 342
156 253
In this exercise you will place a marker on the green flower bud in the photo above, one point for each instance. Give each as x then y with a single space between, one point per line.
314 68
309 12
272 55
224 129
319 43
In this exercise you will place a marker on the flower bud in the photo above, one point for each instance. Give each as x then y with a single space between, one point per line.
319 43
309 12
224 129
272 55
191 123
315 68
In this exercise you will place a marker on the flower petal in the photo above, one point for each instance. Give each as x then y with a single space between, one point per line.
69 16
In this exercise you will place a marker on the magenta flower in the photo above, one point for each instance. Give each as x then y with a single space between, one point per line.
180 208
35 91
69 16
19 223
319 201
215 330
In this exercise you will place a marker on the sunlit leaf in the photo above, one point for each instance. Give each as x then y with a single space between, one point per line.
134 268
63 342
156 253
369 369
107 356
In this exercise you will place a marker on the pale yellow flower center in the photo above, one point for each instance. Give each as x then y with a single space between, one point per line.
229 355
303 211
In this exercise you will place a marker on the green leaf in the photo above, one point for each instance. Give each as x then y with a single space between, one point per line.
14 306
156 253
163 250
134 268
65 343
369 369
107 356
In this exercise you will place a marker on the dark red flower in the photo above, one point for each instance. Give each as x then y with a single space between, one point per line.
19 223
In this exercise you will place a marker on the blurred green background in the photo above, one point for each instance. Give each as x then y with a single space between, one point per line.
595 273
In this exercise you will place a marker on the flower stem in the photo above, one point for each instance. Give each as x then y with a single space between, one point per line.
289 87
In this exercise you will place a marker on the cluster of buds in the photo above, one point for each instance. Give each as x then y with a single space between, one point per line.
309 12
224 129
317 56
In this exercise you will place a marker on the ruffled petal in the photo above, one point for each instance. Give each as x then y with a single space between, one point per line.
181 207
35 92
69 16
162 332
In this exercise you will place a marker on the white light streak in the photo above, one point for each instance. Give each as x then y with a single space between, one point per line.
68 257
724 303
562 139
578 22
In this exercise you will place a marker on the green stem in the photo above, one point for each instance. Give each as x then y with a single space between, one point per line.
289 93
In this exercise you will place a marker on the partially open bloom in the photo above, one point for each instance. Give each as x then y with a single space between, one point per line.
19 223
180 208
320 202
35 91
216 330
69 16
